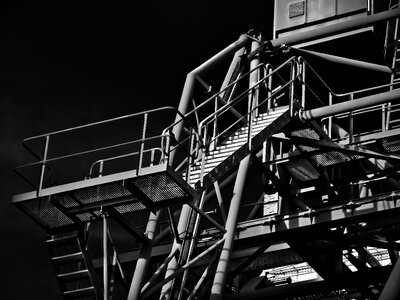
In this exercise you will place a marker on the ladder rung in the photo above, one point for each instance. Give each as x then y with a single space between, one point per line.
62 241
80 292
68 258
74 275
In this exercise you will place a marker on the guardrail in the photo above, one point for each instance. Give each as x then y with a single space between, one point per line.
150 149
333 98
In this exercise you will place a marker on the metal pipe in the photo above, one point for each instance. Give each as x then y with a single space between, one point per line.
222 267
345 61
391 290
105 258
173 264
254 78
182 269
191 78
348 106
144 257
329 30
220 201
159 270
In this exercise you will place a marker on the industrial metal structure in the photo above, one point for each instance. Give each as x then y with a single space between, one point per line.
281 182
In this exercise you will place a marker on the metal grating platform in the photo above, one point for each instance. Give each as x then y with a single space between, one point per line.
66 205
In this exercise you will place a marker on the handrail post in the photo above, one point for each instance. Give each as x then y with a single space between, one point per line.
268 70
351 122
303 83
43 169
291 87
145 117
330 117
215 129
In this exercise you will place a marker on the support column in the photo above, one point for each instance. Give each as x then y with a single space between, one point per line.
173 264
231 221
391 290
105 257
144 257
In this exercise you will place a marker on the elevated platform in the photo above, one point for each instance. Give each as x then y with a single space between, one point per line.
78 202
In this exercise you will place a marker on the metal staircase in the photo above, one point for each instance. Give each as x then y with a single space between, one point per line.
228 147
75 272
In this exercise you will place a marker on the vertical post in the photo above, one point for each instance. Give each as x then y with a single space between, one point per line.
215 124
144 258
43 169
351 122
269 88
303 84
291 87
253 95
145 116
222 267
254 77
105 257
330 117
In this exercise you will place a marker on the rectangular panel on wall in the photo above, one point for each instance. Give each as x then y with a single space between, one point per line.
289 13
320 9
346 6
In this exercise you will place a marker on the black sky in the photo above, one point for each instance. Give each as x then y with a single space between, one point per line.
65 63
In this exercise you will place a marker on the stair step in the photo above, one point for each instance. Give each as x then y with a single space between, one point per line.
233 143
80 292
73 257
74 275
62 241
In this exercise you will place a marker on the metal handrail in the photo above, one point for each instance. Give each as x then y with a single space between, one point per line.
91 151
43 159
339 95
48 135
204 123
262 65
102 161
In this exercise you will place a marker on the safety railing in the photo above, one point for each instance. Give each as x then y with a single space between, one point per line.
137 147
282 85
376 116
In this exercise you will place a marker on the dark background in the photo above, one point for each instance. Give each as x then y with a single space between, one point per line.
66 63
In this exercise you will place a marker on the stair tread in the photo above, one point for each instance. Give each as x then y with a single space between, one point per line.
74 275
68 257
80 292
65 240
234 142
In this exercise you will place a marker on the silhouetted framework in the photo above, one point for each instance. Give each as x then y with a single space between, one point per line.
281 182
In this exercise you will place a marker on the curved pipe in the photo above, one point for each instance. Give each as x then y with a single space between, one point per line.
191 78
